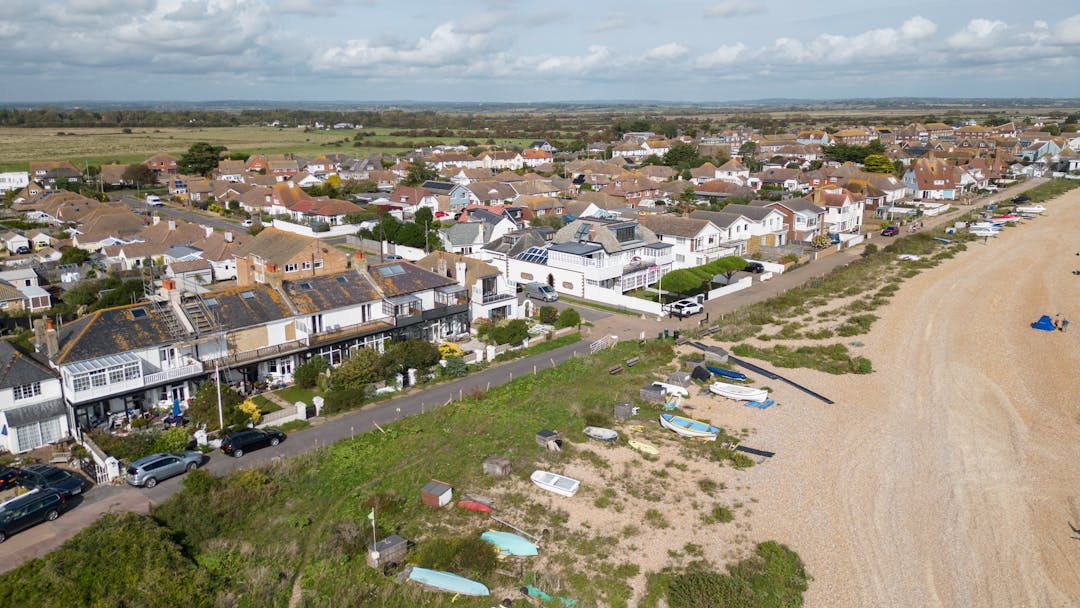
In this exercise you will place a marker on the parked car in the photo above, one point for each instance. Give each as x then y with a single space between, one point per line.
153 200
541 291
754 267
686 308
28 510
149 470
238 444
22 250
247 223
45 476
890 231
9 478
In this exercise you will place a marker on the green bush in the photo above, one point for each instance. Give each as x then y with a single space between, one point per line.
363 367
307 375
344 399
548 314
176 439
569 317
468 556
773 578
455 368
511 332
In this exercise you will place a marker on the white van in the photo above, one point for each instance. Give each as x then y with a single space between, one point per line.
153 200
540 291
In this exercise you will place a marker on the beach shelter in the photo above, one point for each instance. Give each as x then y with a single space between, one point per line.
1044 323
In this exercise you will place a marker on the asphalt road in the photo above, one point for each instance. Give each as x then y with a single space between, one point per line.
169 211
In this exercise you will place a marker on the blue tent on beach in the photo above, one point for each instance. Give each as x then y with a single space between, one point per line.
1044 323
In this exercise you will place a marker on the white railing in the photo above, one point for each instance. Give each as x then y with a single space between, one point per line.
174 373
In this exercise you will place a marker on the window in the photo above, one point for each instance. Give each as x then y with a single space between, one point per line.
318 264
116 375
567 285
97 378
81 382
290 267
132 371
526 276
305 266
27 391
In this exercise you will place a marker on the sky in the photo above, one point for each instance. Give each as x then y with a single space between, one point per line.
516 51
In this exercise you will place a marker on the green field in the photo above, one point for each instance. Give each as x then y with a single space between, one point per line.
95 146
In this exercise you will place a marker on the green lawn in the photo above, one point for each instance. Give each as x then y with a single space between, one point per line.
295 393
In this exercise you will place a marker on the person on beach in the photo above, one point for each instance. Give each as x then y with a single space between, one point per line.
1064 324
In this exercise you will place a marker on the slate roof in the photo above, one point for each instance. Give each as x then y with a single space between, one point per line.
438 187
474 268
466 233
111 331
327 292
238 307
513 243
673 225
722 219
18 368
794 204
401 278
752 212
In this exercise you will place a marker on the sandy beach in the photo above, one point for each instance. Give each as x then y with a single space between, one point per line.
949 476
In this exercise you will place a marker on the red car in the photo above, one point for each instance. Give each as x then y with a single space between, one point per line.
890 231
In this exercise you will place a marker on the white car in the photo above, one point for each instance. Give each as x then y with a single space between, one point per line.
247 223
672 389
687 307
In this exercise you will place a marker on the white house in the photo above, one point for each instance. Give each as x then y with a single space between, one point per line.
32 411
14 180
695 241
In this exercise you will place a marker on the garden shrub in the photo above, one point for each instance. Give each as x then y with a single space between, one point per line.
307 375
569 317
548 314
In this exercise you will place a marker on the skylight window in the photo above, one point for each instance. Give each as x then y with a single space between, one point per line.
340 280
210 302
305 286
582 231
138 313
247 295
392 270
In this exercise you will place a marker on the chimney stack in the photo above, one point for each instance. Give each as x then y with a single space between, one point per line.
441 267
156 220
51 344
360 261
39 334
459 268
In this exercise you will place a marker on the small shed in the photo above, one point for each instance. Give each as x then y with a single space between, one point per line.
496 466
436 494
679 379
716 354
390 550
549 440
624 410
700 373
652 393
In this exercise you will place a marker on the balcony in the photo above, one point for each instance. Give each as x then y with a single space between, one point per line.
492 298
258 354
350 331
174 373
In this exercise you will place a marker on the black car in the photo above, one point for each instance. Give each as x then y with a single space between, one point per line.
29 509
9 478
755 267
251 439
43 477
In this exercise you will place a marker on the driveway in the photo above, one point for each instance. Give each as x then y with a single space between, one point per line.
588 314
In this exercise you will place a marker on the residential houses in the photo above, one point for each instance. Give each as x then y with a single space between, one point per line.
804 220
162 165
490 296
278 255
694 241
32 411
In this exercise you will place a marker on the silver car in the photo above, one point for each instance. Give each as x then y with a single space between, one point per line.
149 470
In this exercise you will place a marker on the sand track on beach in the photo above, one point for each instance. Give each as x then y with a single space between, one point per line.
950 475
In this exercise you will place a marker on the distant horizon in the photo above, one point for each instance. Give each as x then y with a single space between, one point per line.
506 52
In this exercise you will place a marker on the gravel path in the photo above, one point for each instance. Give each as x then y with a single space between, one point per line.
949 476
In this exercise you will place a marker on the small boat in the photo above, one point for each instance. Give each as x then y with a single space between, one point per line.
984 232
600 433
738 393
688 427
643 447
672 389
1010 217
726 373
509 544
473 505
1030 209
445 581
553 482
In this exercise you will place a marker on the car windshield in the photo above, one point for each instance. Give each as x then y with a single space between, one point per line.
55 476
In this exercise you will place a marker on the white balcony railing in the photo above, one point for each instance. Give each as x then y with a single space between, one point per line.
174 373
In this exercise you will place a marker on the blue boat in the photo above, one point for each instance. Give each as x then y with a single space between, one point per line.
688 427
726 373
445 581
761 405
509 544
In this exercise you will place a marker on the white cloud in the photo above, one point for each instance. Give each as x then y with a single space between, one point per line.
978 34
1068 30
733 8
596 56
615 22
446 45
667 52
725 55
872 45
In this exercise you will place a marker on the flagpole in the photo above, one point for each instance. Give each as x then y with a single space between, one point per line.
371 516
217 380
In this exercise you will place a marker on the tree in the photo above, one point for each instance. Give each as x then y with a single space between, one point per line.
410 354
423 216
204 407
548 219
410 234
307 375
363 367
200 159
548 314
418 173
747 150
682 155
139 175
512 332
726 266
878 163
569 317
680 281
74 255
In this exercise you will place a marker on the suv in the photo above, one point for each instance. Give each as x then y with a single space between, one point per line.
29 509
754 267
149 470
251 439
685 308
43 476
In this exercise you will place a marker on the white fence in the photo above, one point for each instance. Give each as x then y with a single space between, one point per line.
409 253
334 231
772 267
287 414
739 285
611 298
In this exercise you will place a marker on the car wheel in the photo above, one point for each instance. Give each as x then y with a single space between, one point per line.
192 466
237 453
275 441
52 515
3 537
150 482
